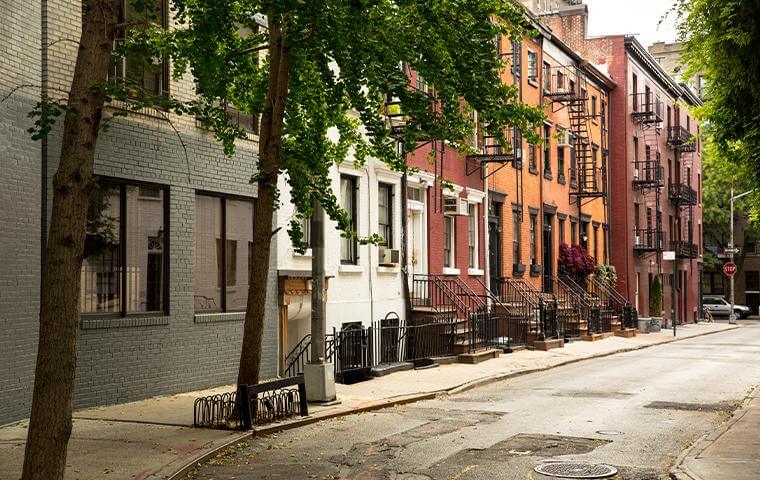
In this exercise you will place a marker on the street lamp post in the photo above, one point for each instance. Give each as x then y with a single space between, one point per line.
732 250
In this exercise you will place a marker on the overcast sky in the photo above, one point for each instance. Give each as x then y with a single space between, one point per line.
640 17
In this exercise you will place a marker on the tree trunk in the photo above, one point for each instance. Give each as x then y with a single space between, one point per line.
269 161
50 422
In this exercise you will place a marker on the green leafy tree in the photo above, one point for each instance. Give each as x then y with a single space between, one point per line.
718 176
655 297
721 39
330 71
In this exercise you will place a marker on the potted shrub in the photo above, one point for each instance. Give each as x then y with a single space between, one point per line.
655 304
575 262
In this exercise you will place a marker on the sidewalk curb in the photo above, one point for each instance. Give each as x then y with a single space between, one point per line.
413 398
681 471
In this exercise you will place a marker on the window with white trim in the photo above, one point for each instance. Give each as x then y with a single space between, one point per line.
449 236
472 234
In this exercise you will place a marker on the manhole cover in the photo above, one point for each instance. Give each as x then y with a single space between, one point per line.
575 470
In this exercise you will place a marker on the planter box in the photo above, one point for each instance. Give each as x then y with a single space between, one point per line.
644 324
656 324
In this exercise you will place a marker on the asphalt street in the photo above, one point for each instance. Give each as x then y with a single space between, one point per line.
635 411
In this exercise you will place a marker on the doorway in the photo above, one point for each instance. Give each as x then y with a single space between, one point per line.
494 245
417 243
548 253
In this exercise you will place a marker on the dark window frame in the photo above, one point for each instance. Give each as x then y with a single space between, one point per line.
121 183
120 69
389 231
353 254
223 274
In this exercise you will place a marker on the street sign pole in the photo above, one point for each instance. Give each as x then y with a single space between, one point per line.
732 314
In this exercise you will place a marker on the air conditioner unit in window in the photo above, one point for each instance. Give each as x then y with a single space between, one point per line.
565 139
389 257
635 173
637 240
455 206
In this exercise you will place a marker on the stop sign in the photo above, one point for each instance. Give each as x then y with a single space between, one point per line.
729 268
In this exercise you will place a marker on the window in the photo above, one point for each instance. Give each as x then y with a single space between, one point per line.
596 244
348 193
414 194
635 149
603 114
223 243
249 123
421 84
533 249
472 235
385 214
595 155
752 281
547 77
151 77
124 268
532 66
306 230
561 230
604 245
449 235
516 220
560 160
635 90
573 232
547 149
560 81
593 108
532 157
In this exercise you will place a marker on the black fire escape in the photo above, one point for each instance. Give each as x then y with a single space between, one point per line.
680 192
566 87
490 153
648 173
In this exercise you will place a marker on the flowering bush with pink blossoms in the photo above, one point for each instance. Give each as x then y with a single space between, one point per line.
575 262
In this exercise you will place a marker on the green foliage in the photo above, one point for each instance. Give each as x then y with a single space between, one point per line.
718 176
655 297
607 274
344 61
722 38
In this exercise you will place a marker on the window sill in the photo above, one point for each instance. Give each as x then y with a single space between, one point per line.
533 82
346 268
548 175
307 254
451 271
218 317
475 272
533 170
561 179
122 322
388 270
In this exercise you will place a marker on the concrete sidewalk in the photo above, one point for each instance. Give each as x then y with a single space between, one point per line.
154 438
731 451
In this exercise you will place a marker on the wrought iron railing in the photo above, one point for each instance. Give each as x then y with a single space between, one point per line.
648 173
647 107
648 240
682 194
680 139
685 249
572 309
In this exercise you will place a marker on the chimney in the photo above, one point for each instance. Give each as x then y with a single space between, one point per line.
569 24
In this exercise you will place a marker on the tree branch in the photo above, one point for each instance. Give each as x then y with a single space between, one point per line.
249 50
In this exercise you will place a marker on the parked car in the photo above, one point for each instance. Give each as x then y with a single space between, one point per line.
720 307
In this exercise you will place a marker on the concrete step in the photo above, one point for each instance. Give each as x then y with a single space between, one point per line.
477 357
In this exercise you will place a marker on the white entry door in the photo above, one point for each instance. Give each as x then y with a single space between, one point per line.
417 245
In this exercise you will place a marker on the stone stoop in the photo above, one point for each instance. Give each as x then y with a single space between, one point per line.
592 337
608 334
626 333
550 344
477 357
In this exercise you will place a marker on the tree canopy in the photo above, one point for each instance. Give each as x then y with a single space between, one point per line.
721 39
345 61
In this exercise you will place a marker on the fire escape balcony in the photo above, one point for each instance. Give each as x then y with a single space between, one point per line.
561 83
684 249
647 108
648 174
648 240
682 194
681 140
492 152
